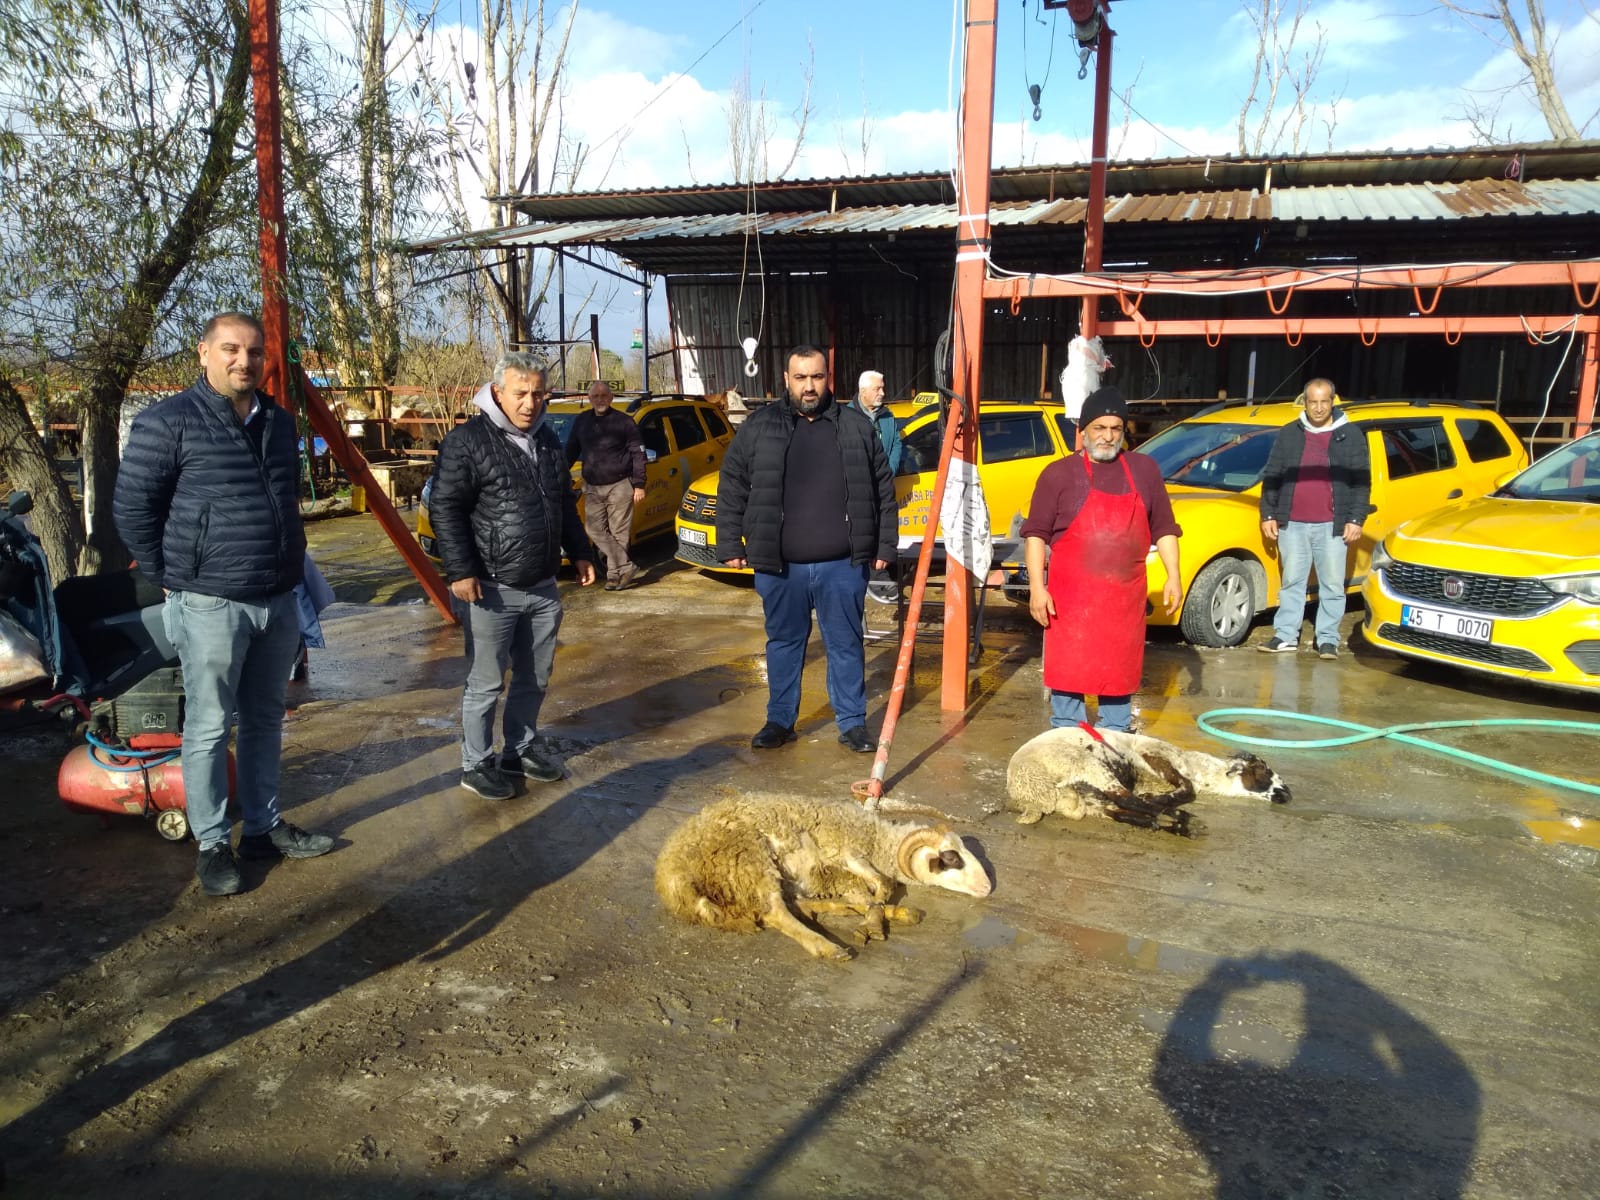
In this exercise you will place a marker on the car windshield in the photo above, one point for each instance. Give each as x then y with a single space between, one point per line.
560 424
1570 473
1208 454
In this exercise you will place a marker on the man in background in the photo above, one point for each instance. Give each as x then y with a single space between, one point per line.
1315 492
607 442
869 401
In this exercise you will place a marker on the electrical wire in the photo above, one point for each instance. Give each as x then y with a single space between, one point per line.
1545 340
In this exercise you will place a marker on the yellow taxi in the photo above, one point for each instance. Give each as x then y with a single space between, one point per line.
1507 584
1015 442
1424 454
683 436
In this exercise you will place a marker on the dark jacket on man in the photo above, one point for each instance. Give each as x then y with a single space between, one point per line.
503 506
609 447
1349 465
207 503
750 495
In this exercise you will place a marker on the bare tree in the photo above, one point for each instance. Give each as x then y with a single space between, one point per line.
1277 109
1534 48
752 127
498 101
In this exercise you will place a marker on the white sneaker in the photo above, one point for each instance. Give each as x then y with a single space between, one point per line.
884 592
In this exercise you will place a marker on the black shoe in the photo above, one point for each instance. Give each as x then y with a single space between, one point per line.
531 764
772 735
218 873
486 780
858 739
884 592
1276 645
1328 650
613 585
284 840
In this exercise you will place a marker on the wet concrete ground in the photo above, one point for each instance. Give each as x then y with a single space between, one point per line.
1386 988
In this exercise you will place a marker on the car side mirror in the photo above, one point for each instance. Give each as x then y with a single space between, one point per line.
650 456
1501 480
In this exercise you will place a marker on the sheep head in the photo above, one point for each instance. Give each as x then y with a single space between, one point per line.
939 858
1257 779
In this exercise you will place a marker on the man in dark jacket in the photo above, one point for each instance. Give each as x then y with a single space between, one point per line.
1315 492
607 442
503 508
807 501
207 501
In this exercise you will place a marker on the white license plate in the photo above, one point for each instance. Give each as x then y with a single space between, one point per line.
1438 620
691 537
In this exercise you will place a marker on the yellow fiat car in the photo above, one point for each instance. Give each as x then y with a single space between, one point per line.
1508 584
1015 441
683 436
1424 454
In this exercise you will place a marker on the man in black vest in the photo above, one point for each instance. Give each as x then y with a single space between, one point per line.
807 500
208 502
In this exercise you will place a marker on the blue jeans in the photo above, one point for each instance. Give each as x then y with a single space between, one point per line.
1302 545
508 628
236 657
1067 711
837 590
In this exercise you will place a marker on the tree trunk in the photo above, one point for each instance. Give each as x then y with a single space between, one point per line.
31 469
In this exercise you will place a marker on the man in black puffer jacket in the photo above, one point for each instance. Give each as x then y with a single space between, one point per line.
502 509
807 500
208 502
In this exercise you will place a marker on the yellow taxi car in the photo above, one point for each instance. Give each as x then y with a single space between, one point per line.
1424 454
683 436
1507 584
1015 441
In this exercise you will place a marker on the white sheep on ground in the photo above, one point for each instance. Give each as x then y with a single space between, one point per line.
1128 777
756 861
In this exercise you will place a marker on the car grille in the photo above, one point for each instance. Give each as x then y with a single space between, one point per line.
1510 657
1491 594
1585 656
698 506
700 556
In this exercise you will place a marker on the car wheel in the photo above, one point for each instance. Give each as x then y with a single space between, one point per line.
1220 605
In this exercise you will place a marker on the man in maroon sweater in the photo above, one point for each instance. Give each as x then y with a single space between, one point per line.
613 480
1098 511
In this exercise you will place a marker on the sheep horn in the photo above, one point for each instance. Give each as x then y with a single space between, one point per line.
916 839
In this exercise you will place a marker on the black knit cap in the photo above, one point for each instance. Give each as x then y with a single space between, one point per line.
1103 402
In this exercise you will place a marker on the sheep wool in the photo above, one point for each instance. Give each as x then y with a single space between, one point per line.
774 862
1128 777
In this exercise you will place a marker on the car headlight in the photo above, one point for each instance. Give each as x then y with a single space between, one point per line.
1585 587
1381 557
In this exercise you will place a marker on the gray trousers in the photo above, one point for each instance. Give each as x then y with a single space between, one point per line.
508 629
608 518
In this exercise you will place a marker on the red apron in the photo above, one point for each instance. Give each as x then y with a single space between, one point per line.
1095 644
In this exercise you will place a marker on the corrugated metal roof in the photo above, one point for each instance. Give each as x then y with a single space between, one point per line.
1426 201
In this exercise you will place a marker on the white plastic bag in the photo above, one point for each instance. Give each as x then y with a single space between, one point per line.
21 656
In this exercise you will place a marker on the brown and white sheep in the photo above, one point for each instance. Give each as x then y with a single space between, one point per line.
765 862
1128 777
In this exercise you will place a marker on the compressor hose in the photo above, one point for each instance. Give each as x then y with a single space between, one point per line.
1400 733
131 760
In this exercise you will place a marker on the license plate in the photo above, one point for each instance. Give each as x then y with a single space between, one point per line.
1438 620
691 537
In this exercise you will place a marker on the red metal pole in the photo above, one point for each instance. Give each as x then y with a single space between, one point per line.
972 252
275 301
1588 381
1095 215
269 191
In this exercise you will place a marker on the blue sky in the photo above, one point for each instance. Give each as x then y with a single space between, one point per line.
649 84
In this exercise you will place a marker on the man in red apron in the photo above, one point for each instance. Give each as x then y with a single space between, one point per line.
1098 511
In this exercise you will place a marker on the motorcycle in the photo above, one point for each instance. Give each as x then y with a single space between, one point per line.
93 652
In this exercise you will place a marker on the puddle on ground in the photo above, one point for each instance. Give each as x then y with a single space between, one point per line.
1098 945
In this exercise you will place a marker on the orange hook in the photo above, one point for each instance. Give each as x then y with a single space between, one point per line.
1016 302
1216 341
1147 342
1594 295
1279 309
1451 341
1365 339
1426 309
1130 311
1294 338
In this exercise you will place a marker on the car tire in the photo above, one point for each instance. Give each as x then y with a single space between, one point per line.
1220 605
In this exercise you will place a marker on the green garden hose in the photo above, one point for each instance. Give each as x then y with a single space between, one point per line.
1399 733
